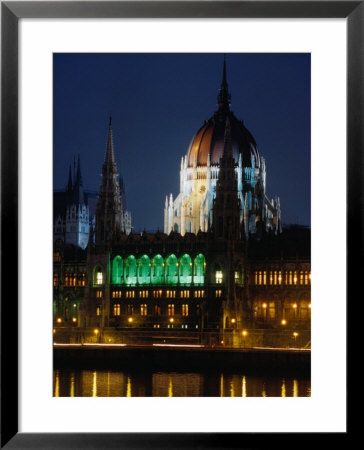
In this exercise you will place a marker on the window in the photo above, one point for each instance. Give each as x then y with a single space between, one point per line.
99 294
130 310
271 310
185 294
170 294
157 310
143 309
218 277
116 294
199 294
171 310
98 310
116 309
81 279
185 310
99 278
55 279
157 294
57 257
218 293
143 294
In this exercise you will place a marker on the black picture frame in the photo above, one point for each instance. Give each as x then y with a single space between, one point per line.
11 12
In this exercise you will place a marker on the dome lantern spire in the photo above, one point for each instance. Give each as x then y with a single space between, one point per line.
223 97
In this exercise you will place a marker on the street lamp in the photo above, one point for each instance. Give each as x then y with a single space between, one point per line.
244 333
284 322
295 334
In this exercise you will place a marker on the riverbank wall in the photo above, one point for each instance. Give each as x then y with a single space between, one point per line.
160 357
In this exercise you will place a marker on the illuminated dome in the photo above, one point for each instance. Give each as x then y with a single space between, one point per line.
209 142
191 211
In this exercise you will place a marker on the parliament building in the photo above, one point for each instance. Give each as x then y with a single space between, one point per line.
223 269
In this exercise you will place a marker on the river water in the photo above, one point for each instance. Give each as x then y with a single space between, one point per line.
108 383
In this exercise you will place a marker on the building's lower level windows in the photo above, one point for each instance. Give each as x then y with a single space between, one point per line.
157 310
55 279
129 310
156 325
143 309
98 294
116 309
185 310
184 326
171 310
218 293
98 310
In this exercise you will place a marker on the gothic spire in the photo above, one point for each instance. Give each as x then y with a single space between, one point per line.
223 97
109 156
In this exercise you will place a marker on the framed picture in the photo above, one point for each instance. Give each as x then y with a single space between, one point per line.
176 432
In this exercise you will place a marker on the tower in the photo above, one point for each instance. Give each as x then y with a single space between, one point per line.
226 204
72 214
108 208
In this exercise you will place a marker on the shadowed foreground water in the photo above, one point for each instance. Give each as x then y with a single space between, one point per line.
105 383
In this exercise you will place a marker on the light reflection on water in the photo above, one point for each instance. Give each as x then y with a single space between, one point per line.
104 383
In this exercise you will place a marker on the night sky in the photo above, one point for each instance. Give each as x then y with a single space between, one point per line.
159 101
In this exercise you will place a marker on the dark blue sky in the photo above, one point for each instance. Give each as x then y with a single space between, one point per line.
159 101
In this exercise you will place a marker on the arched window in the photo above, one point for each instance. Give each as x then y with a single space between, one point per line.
188 226
144 270
157 272
117 270
185 269
199 269
218 274
98 275
130 272
171 269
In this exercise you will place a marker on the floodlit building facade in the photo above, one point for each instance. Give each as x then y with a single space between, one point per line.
222 266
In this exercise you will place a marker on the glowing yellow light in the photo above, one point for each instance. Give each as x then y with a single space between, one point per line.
233 320
171 319
264 305
54 330
74 319
244 333
295 280
294 305
130 319
295 334
96 331
221 342
74 305
284 322
309 305
59 320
